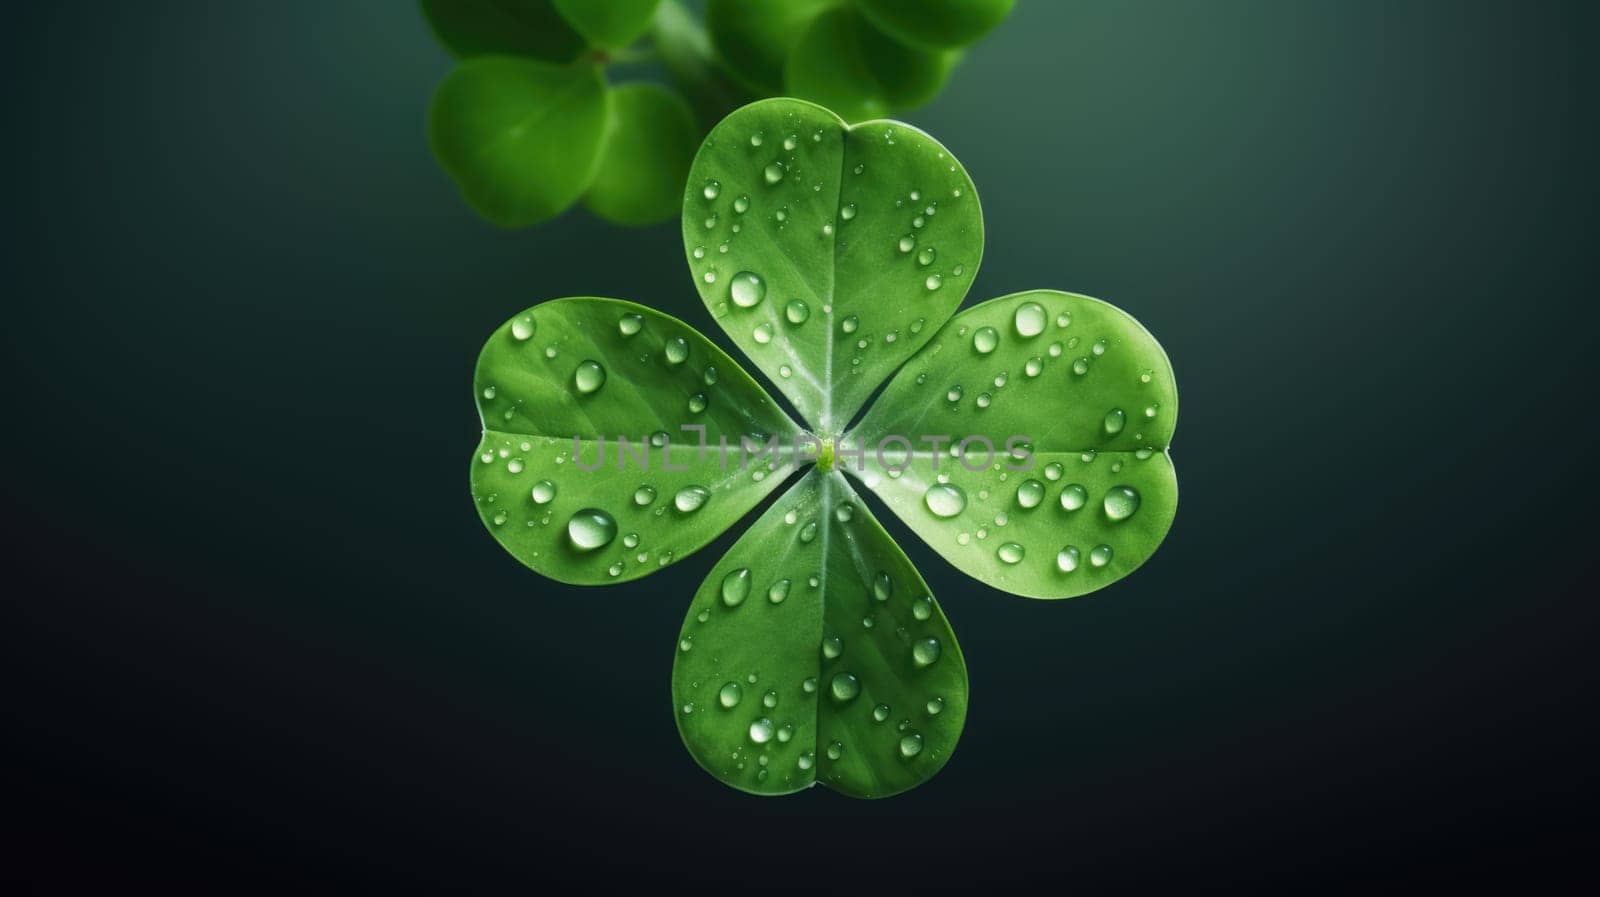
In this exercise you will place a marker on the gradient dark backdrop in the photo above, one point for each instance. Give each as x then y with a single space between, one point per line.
259 634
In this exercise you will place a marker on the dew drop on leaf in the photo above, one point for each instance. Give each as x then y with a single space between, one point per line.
925 652
844 687
882 586
690 498
711 189
630 324
945 499
1100 555
985 340
543 492
1029 319
589 377
677 351
1030 493
747 289
523 328
910 745
1009 553
773 173
1073 497
1121 502
832 647
762 333
933 282
728 696
736 587
778 591
1067 559
644 495
797 311
761 731
1114 422
907 243
591 528
922 608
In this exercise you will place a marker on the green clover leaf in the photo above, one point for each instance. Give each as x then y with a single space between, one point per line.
1025 439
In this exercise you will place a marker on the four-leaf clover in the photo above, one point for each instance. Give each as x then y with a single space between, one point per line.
1025 439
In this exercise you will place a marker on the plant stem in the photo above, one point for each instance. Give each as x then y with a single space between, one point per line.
685 52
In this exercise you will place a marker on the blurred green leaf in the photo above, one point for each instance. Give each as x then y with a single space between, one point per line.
753 37
520 138
512 27
650 142
936 24
846 64
608 23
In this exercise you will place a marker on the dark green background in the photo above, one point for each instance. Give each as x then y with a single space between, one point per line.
259 632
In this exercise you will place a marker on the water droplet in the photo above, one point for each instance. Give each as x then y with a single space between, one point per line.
728 696
835 749
935 706
709 376
499 518
761 731
589 377
925 652
488 392
882 586
697 403
848 211
1067 559
880 712
1029 319
809 685
644 495
1033 367
755 139
591 528
933 282
922 608
677 351
1009 553
1030 493
945 499
1099 348
832 647
910 745
778 592
953 394
690 498
797 311
736 587
907 243
543 492
849 324
747 289
926 256
1115 421
844 687
773 173
523 328
1121 502
631 540
1080 366
514 465
686 644
844 513
762 333
808 533
1074 497
985 340
806 760
984 400
1100 555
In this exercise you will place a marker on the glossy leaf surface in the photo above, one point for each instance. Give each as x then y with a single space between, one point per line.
754 38
1092 392
846 64
595 368
649 144
829 253
520 138
814 652
511 27
936 23
608 23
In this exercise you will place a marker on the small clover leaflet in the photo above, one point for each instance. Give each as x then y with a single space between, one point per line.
1025 439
